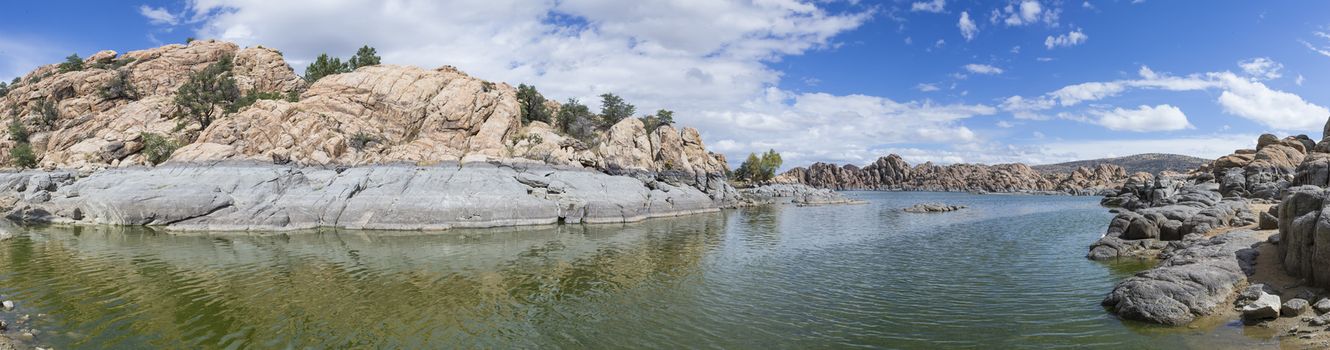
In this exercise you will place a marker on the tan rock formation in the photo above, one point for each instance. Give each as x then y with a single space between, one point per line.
375 115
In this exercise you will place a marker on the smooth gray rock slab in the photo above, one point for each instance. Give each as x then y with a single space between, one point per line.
1192 280
256 196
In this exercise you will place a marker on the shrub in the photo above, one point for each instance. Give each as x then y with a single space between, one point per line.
157 148
576 120
254 96
759 169
662 117
209 94
189 40
18 132
4 89
365 56
22 156
533 104
119 87
293 96
361 140
47 111
72 63
613 109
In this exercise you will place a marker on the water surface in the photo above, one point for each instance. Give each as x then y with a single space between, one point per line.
1008 272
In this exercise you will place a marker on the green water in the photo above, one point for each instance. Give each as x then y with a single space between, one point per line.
1008 272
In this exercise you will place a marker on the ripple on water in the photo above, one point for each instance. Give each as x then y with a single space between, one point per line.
1007 272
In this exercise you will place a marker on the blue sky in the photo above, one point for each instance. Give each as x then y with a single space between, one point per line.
1035 81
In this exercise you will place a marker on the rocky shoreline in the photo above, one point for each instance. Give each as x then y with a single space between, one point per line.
1221 233
245 196
892 173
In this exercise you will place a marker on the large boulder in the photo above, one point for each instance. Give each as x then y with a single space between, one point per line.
1263 308
1192 280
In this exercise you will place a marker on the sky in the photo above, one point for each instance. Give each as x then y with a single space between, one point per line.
947 81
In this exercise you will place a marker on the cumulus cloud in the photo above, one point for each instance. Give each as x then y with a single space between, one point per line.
982 69
1075 37
968 29
158 15
1262 68
926 87
1277 109
1143 119
1241 96
1025 12
934 6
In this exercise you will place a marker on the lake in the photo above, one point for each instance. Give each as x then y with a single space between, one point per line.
1007 272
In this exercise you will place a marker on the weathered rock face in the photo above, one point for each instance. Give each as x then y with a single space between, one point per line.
1194 279
796 194
1263 172
381 114
1169 216
93 129
893 173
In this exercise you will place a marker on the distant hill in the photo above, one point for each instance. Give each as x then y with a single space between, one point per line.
1148 162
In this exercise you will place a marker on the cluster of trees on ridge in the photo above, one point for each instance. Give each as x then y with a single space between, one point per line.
212 93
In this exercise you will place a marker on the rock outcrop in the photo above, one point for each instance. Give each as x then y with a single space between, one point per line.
332 151
1194 279
932 208
893 173
796 194
247 196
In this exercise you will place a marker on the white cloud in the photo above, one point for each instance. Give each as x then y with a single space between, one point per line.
934 6
1324 51
926 87
983 69
968 28
1075 37
1276 109
1143 119
1262 68
1299 80
1005 124
1025 12
158 15
708 61
1240 96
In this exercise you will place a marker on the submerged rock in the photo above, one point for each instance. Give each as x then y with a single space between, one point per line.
932 208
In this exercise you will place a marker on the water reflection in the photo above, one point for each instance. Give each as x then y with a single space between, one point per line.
133 288
1008 272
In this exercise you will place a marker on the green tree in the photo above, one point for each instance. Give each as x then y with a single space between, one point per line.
72 63
18 132
533 104
365 56
759 168
576 120
4 89
254 96
22 156
613 109
663 117
324 66
157 148
119 87
47 111
208 94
